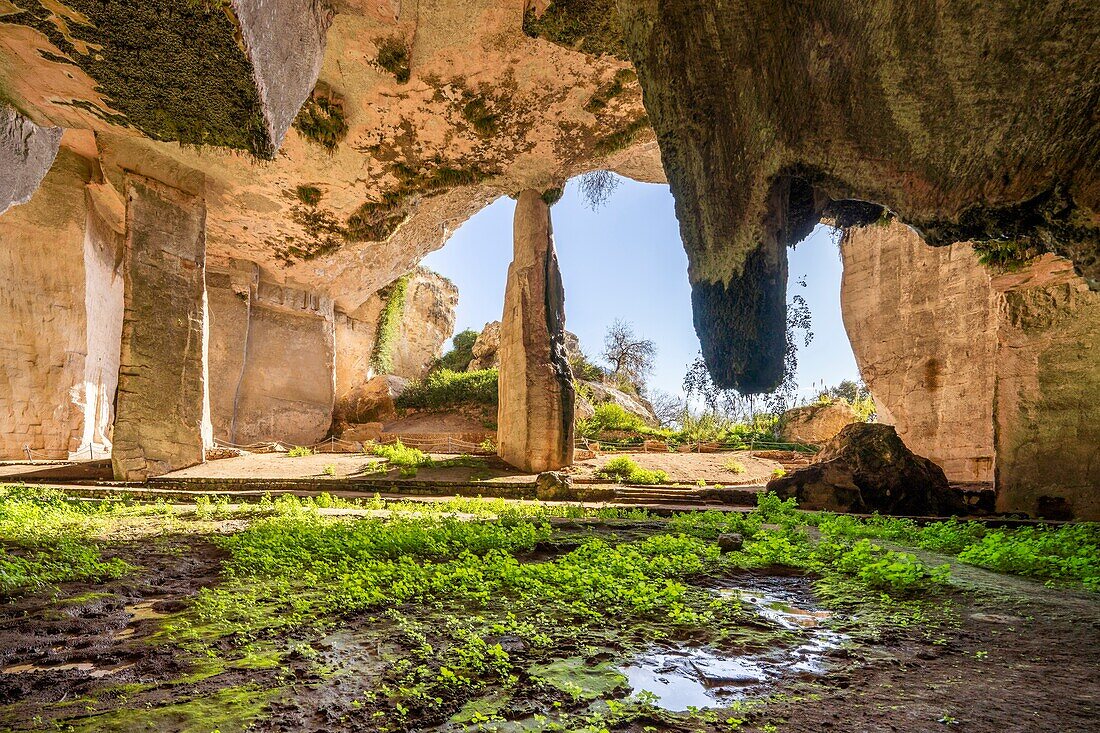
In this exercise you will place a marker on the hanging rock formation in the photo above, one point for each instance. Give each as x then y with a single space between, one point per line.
967 120
535 417
26 153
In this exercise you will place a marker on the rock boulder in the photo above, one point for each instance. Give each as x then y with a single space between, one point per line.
816 423
373 401
866 468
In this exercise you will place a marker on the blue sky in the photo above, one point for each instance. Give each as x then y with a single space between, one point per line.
626 261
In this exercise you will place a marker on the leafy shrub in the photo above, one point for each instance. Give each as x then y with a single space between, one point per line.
734 466
401 456
461 353
329 469
393 56
446 388
779 473
299 451
612 416
889 570
624 469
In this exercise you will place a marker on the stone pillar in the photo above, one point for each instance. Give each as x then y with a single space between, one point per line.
162 421
535 415
26 153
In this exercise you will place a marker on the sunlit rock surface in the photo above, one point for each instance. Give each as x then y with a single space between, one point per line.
26 153
991 374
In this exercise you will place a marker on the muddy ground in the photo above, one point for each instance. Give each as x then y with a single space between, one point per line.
997 654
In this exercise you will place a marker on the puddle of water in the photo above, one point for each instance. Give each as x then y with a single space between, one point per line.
88 667
685 676
144 612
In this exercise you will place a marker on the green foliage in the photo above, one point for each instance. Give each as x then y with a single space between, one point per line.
445 388
1009 254
734 466
852 393
329 469
621 138
299 451
308 195
393 56
461 353
389 321
481 117
779 473
397 454
624 469
588 26
585 370
607 92
612 416
47 539
322 122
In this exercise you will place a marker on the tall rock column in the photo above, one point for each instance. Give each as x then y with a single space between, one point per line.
535 414
162 421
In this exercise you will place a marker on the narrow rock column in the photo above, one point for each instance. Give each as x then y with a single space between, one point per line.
26 153
535 414
162 421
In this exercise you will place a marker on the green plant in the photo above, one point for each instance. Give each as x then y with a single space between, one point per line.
308 195
445 388
389 321
589 26
458 358
401 456
329 469
734 466
321 120
484 121
393 56
779 473
622 468
612 416
299 451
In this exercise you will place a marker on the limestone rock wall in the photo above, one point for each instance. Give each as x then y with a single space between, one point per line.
992 376
43 339
272 358
26 153
427 323
163 415
922 323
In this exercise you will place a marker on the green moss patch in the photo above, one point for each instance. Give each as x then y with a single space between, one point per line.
481 117
389 321
174 70
609 91
589 26
321 119
308 195
393 56
622 138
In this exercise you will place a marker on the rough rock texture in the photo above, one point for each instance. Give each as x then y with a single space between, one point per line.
44 339
1047 409
867 468
535 417
201 73
373 401
427 323
163 420
991 375
380 169
816 423
967 120
922 323
554 486
26 153
603 393
486 348
272 358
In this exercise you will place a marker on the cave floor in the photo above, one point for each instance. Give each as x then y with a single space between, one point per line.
486 615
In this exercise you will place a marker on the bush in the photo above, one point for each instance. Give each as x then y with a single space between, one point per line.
461 354
734 466
446 388
299 451
611 416
625 470
401 456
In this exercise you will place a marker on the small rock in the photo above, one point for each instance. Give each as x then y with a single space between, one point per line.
553 485
730 542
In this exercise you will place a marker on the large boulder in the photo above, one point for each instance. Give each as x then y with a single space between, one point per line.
866 468
485 348
602 394
816 423
373 401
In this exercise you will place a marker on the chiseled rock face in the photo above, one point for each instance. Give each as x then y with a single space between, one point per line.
486 348
535 416
374 401
427 323
867 468
603 393
989 374
26 153
770 118
922 322
816 423
163 420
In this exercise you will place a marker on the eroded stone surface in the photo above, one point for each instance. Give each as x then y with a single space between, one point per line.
867 468
535 417
770 117
26 153
162 420
816 423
